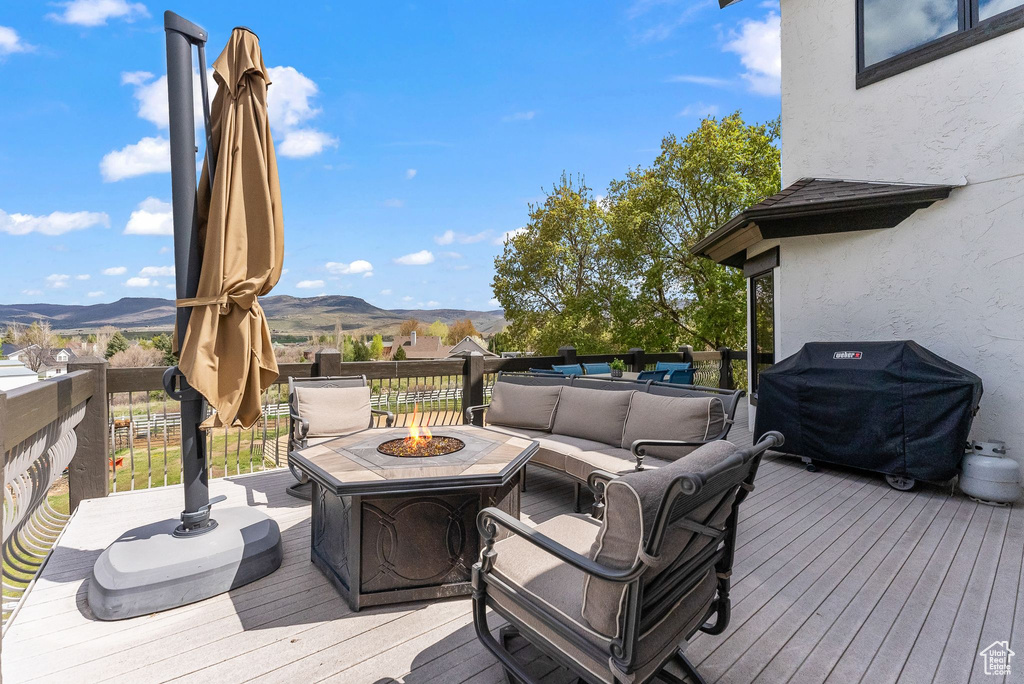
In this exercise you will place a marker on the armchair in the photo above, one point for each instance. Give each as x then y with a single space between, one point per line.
319 417
583 593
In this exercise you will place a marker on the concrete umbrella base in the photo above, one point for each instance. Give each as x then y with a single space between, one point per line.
148 569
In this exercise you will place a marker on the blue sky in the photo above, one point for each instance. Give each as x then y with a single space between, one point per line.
410 136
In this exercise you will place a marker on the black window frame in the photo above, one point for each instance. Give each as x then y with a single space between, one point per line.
970 32
761 266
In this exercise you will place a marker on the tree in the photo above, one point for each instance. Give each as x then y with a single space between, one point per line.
360 352
694 186
460 330
116 343
136 356
399 354
162 343
407 327
339 342
377 347
38 342
347 351
551 277
438 329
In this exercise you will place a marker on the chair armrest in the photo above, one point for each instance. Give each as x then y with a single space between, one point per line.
300 427
639 452
490 519
470 410
389 421
597 481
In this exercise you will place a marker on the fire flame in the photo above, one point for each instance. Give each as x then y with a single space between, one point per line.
418 434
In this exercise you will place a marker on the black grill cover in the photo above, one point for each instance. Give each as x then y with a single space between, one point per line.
891 407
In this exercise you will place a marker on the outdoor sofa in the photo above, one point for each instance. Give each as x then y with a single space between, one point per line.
615 425
614 599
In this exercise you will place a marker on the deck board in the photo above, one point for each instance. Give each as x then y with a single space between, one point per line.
837 578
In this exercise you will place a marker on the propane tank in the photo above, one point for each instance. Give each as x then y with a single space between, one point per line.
987 476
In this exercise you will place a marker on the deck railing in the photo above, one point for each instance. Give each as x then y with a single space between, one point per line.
39 433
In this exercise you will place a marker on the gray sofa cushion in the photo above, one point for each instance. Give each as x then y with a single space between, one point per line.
618 461
592 414
688 419
333 411
523 406
631 506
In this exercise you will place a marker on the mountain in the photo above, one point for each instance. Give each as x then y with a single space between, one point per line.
287 314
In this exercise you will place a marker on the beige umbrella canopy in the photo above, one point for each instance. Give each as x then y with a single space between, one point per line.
227 353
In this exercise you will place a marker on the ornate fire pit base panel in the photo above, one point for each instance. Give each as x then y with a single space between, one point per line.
389 549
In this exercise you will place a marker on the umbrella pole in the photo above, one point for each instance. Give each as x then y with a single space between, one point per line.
181 36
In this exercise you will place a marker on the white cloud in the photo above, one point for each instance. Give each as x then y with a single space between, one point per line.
141 282
519 116
115 271
670 21
433 303
135 77
32 293
149 155
56 223
393 203
354 268
167 250
385 292
710 81
309 284
407 298
289 107
11 42
157 271
410 174
699 109
97 12
758 43
493 302
508 235
450 255
57 281
304 142
95 293
83 276
284 272
420 258
152 217
450 236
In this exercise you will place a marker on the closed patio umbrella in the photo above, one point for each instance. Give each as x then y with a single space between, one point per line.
228 244
227 353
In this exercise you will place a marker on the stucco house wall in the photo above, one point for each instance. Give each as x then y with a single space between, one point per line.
951 276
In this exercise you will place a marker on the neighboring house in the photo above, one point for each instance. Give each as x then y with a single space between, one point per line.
468 344
14 373
928 242
56 362
418 347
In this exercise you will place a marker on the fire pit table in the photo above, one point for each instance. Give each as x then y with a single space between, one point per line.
391 528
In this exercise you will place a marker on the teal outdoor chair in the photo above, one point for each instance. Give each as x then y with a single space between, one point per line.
656 375
595 368
571 369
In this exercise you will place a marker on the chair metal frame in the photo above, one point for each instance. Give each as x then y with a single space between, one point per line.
298 427
644 606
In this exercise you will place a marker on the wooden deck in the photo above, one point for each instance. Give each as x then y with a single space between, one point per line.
838 578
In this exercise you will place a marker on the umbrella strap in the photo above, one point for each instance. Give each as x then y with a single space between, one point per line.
221 301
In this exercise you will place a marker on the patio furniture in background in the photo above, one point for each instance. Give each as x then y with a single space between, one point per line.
894 408
570 369
322 408
388 529
595 368
672 365
587 423
610 610
545 371
680 376
656 375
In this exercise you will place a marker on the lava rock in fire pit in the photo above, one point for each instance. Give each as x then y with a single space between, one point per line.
421 447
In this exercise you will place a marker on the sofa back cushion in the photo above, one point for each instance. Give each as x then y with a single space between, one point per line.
631 508
592 414
523 406
688 419
333 411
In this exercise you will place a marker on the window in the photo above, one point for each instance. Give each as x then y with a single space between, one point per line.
762 325
896 35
